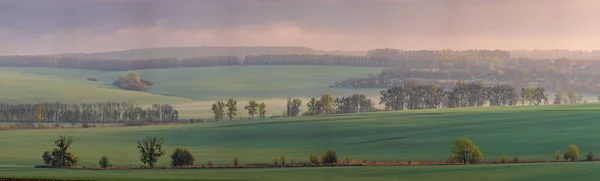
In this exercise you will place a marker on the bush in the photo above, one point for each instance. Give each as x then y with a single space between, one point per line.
92 79
236 161
85 125
182 157
466 152
590 156
557 155
572 153
503 159
275 161
47 157
329 157
516 159
451 158
210 164
104 162
314 159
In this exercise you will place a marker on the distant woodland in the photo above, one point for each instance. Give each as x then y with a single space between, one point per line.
550 69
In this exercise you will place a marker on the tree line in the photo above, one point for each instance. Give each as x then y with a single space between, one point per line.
109 112
430 96
229 108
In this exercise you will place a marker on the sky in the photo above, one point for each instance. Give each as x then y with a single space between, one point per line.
81 26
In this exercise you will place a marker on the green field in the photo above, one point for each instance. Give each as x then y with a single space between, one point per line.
526 132
192 90
522 172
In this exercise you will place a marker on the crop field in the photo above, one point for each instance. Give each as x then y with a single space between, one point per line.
192 90
526 132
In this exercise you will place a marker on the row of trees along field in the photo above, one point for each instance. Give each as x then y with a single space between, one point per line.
110 112
429 96
229 108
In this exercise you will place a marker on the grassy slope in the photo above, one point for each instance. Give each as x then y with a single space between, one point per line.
34 85
524 172
527 132
271 84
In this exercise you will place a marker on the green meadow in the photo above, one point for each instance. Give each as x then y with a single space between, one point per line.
525 132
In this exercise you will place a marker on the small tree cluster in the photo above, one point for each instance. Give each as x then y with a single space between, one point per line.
329 157
132 81
61 156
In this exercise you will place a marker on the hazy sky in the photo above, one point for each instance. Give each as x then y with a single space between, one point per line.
58 26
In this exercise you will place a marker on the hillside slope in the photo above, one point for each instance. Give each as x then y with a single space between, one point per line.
526 132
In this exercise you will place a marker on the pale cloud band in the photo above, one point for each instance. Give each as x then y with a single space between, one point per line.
329 25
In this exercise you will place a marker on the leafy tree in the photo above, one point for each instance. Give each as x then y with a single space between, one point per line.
314 159
104 163
218 111
572 153
503 159
572 97
236 161
283 159
182 157
150 150
329 157
47 157
327 103
589 156
466 152
557 155
231 108
295 109
61 156
262 110
252 108
275 161
559 97
312 105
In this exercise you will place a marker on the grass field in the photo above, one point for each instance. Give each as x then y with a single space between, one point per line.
522 172
526 132
192 90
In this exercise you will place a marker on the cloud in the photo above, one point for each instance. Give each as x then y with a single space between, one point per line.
53 26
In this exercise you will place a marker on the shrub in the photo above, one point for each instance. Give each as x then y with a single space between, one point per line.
47 157
150 150
329 157
182 157
275 161
451 158
347 160
85 125
466 152
557 155
503 159
210 164
572 153
104 162
282 160
92 79
314 159
516 159
236 161
590 156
